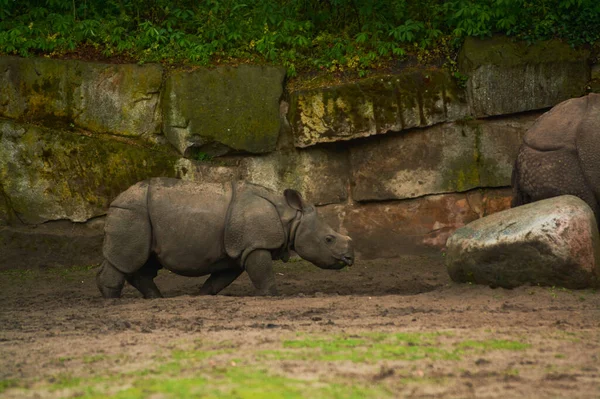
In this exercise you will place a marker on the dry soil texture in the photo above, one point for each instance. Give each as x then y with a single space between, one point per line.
388 328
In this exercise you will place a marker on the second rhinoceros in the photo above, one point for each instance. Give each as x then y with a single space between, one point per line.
197 229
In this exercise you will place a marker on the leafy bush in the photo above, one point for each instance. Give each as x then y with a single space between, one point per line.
338 35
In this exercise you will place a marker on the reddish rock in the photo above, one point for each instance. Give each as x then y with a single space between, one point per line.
391 229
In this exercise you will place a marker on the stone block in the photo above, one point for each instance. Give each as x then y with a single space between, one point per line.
553 242
415 98
394 228
452 157
49 174
320 175
224 109
102 98
508 77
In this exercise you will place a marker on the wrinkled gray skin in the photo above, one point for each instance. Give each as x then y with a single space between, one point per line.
560 155
196 229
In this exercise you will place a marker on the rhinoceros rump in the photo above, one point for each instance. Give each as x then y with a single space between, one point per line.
560 155
196 229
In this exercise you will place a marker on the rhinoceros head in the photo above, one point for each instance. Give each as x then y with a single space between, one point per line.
315 241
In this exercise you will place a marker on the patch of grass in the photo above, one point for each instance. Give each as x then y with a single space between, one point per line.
198 355
230 382
93 358
494 344
210 370
368 348
511 372
63 359
375 347
567 336
7 384
325 345
64 381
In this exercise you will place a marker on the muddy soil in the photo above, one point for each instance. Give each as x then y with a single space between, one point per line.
53 323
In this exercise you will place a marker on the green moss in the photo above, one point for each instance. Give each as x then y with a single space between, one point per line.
49 172
236 107
415 97
462 173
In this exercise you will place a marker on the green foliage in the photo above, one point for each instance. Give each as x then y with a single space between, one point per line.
334 35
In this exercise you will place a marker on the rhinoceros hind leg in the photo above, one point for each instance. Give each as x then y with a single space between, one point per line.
219 280
143 279
110 280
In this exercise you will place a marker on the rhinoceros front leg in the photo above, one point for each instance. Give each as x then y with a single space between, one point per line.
219 280
259 266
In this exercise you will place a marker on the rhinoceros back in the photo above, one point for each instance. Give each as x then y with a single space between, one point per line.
127 230
188 223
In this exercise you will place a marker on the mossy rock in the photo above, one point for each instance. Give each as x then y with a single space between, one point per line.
224 109
50 174
507 77
414 98
103 98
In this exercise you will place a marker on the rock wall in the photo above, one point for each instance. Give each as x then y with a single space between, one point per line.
396 161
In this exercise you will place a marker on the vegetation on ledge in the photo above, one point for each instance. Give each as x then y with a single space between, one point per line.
340 36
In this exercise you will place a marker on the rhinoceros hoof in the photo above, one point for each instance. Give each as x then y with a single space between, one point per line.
549 242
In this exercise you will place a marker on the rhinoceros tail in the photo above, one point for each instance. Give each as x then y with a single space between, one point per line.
128 232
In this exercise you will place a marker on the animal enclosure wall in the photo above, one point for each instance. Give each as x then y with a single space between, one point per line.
396 161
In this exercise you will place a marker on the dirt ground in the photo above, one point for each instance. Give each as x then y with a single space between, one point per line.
386 328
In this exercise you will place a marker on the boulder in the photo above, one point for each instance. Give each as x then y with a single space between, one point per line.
508 77
553 242
450 157
414 98
227 108
102 98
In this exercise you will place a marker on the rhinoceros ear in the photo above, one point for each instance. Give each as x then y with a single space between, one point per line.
294 199
253 223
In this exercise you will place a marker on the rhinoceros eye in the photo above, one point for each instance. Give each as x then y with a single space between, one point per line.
329 239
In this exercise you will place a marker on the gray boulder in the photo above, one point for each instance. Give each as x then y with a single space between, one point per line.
549 242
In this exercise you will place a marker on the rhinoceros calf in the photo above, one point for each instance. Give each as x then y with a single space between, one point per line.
196 229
